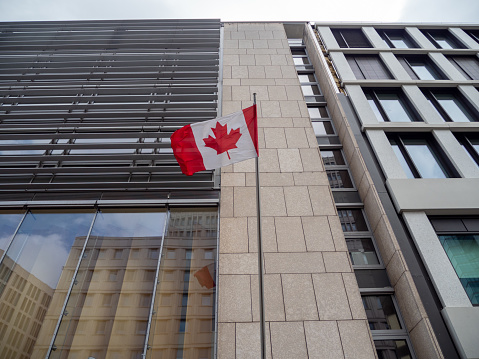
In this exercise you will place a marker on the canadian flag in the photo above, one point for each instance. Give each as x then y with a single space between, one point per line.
216 143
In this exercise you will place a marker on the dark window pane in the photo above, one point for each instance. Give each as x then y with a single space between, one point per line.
397 39
318 112
425 159
339 179
368 67
362 251
352 220
467 65
381 312
394 107
323 128
350 38
332 158
454 108
392 349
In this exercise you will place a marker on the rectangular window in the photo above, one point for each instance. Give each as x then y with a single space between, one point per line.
352 220
332 158
362 251
390 105
381 312
368 67
451 105
421 68
350 38
467 65
392 349
443 39
339 179
474 34
420 157
470 142
398 39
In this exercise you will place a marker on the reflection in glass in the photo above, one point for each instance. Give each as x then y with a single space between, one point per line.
318 112
424 71
23 151
424 158
9 221
463 252
31 272
115 319
392 349
362 251
394 107
332 158
381 312
183 323
323 128
339 179
352 220
401 159
456 111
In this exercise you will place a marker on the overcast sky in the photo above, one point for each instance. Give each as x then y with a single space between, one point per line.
448 11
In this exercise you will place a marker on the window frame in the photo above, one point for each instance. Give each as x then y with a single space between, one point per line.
443 162
387 33
405 103
360 63
432 69
454 59
343 40
434 34
465 140
431 96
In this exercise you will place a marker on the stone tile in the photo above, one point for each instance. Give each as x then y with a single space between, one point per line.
279 34
308 262
258 82
261 52
278 60
260 44
312 140
287 82
277 93
256 72
296 137
290 109
272 201
236 35
264 60
287 340
231 106
409 302
270 179
331 297
310 179
245 166
373 208
230 81
270 109
255 297
251 26
234 235
294 93
267 34
273 72
239 72
321 200
297 201
273 298
248 340
268 161
337 262
226 203
252 35
396 267
365 184
275 138
311 159
275 44
290 160
244 206
299 299
245 60
302 122
230 44
338 234
322 338
387 244
317 234
234 51
424 342
241 93
261 141
234 298
354 297
274 122
227 93
229 60
226 340
245 44
232 179
357 166
268 234
261 92
356 340
289 72
238 263
289 234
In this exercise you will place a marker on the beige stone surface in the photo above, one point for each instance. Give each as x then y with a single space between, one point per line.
308 262
226 208
299 298
268 161
317 234
310 179
354 297
288 340
268 234
290 160
238 263
243 205
337 262
248 341
275 138
356 340
424 341
272 201
234 297
409 302
289 234
297 201
321 200
270 179
323 341
273 298
233 235
233 179
331 296
296 138
226 340
311 159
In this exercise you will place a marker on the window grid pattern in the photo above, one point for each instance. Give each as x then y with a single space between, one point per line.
467 65
91 105
368 67
351 38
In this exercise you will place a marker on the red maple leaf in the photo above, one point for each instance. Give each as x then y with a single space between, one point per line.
224 141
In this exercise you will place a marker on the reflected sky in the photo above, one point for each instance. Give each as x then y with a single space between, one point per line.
134 224
8 224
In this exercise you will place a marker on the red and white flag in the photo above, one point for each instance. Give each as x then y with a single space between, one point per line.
216 143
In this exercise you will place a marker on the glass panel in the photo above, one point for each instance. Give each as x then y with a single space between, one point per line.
33 281
394 107
306 78
392 349
9 221
381 312
318 112
463 252
375 108
301 60
332 158
454 108
362 251
22 142
424 71
184 320
424 158
310 90
113 308
352 220
323 128
339 179
444 42
402 160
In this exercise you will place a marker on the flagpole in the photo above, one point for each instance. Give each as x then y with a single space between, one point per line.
260 259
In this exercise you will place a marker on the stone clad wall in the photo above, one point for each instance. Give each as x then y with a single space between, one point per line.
313 308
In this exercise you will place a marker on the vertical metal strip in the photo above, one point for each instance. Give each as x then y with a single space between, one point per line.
57 327
219 111
155 286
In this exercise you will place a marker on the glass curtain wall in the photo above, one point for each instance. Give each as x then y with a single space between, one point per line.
80 284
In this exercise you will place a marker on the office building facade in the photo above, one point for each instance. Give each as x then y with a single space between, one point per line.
367 183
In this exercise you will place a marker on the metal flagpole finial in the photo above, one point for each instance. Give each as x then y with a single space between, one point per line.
254 98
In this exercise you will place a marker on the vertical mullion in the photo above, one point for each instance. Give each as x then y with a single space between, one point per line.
407 157
13 236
